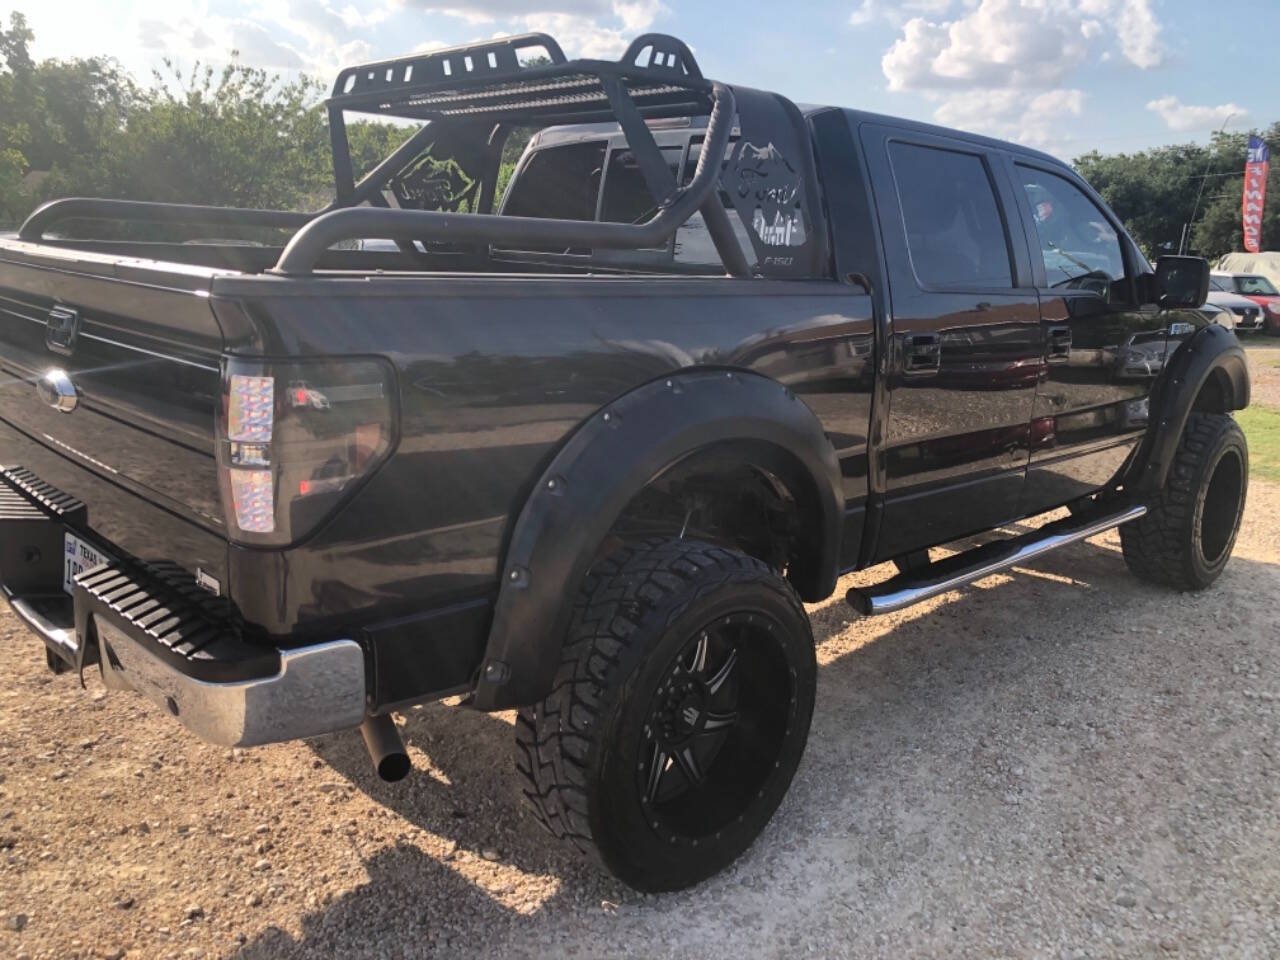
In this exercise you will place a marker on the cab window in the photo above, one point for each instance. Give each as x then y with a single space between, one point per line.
1081 249
955 234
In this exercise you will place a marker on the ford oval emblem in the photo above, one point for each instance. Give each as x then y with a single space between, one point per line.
56 389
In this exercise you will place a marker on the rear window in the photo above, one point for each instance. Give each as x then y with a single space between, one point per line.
955 233
558 183
1255 286
626 195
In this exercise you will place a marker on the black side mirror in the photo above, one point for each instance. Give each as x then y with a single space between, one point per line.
1182 281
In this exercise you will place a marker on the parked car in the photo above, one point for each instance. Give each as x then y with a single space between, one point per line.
1246 315
583 450
1266 263
1255 288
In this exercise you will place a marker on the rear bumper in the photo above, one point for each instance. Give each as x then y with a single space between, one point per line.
317 689
154 631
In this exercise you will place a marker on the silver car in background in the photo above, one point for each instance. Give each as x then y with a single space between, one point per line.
1246 314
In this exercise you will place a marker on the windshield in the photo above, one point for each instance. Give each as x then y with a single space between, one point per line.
1256 286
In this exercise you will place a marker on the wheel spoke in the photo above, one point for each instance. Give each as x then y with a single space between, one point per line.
716 722
657 767
699 663
723 674
689 765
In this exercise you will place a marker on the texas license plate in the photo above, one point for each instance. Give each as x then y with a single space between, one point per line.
77 557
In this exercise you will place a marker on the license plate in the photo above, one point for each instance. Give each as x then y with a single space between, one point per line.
77 557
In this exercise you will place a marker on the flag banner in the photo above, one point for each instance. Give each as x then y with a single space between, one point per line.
1255 193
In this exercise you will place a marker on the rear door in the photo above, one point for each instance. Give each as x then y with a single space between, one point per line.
965 352
1102 350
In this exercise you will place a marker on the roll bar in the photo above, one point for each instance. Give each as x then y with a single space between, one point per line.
88 208
492 87
309 243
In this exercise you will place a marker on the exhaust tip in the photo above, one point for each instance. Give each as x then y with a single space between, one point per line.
386 748
394 767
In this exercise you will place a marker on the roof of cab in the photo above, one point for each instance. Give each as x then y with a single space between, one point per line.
668 131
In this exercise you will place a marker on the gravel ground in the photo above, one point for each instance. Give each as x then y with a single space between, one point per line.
1264 368
1060 761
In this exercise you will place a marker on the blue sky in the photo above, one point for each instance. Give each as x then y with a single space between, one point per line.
1064 75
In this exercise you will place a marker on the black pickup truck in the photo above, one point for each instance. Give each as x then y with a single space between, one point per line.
582 446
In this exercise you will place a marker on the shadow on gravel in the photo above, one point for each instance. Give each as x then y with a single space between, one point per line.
873 699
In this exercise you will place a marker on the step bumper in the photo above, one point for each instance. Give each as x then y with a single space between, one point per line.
154 631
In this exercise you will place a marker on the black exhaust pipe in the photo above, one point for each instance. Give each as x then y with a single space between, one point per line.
386 748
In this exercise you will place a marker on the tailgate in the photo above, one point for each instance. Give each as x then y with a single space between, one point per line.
141 348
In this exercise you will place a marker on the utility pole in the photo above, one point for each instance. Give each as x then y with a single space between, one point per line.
1186 227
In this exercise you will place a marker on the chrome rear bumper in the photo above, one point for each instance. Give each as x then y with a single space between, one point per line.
318 689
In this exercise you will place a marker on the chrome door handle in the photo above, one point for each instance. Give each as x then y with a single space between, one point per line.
921 352
1058 344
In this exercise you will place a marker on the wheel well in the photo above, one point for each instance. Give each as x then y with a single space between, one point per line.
1217 395
730 497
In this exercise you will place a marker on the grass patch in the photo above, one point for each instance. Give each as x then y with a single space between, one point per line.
1261 425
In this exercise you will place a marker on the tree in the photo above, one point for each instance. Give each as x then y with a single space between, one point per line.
52 114
233 136
1154 192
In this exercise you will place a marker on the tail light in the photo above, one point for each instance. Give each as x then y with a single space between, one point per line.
295 439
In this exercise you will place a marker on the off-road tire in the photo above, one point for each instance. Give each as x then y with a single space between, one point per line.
1189 530
577 750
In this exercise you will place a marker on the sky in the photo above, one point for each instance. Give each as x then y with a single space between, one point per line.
1067 76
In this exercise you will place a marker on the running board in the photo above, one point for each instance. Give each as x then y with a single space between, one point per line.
962 568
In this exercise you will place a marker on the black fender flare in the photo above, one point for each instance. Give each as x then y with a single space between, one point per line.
597 472
1211 353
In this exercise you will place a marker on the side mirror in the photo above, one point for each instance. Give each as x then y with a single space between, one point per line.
1182 281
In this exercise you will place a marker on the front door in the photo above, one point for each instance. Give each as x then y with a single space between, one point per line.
965 352
1102 350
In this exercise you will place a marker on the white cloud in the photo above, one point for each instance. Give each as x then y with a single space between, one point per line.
864 13
869 11
259 49
1013 115
1005 67
1019 43
580 36
580 26
638 15
1138 32
1186 117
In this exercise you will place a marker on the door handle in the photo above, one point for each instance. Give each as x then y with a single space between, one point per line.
1058 344
921 353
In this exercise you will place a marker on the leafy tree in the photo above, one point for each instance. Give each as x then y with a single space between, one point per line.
234 136
1154 191
52 114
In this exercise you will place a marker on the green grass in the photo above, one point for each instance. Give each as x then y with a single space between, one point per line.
1261 425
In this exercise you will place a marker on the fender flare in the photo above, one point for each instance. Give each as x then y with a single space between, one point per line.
1213 352
597 472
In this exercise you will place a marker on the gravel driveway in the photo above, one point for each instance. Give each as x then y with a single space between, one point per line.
1057 762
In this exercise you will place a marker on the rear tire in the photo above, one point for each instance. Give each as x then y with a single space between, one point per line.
679 713
1190 528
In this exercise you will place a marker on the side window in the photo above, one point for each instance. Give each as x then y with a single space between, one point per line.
558 183
1216 284
955 234
1081 249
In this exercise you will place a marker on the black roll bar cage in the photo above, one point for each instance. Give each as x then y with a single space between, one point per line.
487 83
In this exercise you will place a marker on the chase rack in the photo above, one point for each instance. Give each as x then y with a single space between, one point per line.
488 88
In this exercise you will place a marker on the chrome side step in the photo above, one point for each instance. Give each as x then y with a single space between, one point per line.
955 571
